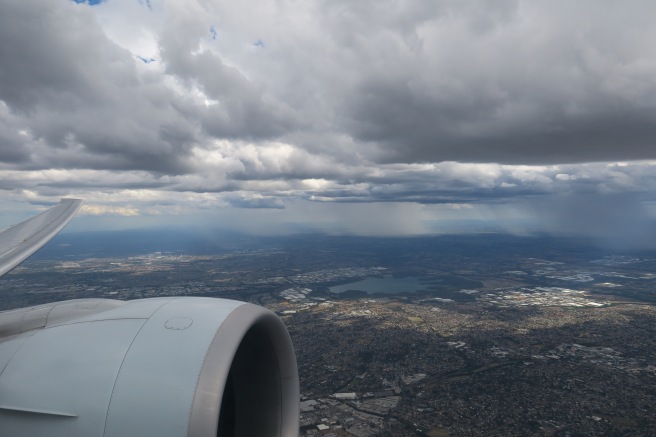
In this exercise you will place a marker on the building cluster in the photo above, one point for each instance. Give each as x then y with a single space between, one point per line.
539 296
410 368
336 275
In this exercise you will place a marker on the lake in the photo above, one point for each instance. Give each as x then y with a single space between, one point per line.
386 285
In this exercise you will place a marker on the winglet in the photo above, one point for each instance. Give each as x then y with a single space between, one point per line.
20 241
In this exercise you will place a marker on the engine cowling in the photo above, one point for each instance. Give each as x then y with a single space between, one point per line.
164 366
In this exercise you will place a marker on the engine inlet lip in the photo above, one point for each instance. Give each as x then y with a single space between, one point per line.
206 406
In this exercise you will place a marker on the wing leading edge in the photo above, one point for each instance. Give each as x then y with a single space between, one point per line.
18 242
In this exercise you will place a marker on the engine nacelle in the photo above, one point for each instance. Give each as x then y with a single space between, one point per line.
162 367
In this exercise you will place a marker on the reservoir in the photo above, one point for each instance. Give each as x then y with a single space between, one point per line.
387 285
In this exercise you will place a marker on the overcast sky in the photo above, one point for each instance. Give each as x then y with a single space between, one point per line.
369 117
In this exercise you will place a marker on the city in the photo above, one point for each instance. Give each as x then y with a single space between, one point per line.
513 342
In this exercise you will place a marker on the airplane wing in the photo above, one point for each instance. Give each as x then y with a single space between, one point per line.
20 241
167 366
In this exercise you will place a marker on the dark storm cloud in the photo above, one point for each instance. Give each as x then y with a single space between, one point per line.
413 128
509 82
80 94
85 104
538 83
241 109
11 142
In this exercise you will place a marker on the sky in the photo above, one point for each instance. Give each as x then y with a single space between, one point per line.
375 117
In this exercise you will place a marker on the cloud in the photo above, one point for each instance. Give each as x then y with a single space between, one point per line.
507 82
256 201
79 98
108 210
511 82
372 109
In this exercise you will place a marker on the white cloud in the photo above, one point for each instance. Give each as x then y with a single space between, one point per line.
108 210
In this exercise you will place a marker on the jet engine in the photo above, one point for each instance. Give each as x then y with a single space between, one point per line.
179 366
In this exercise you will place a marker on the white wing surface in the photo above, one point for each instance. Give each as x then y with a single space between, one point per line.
20 241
